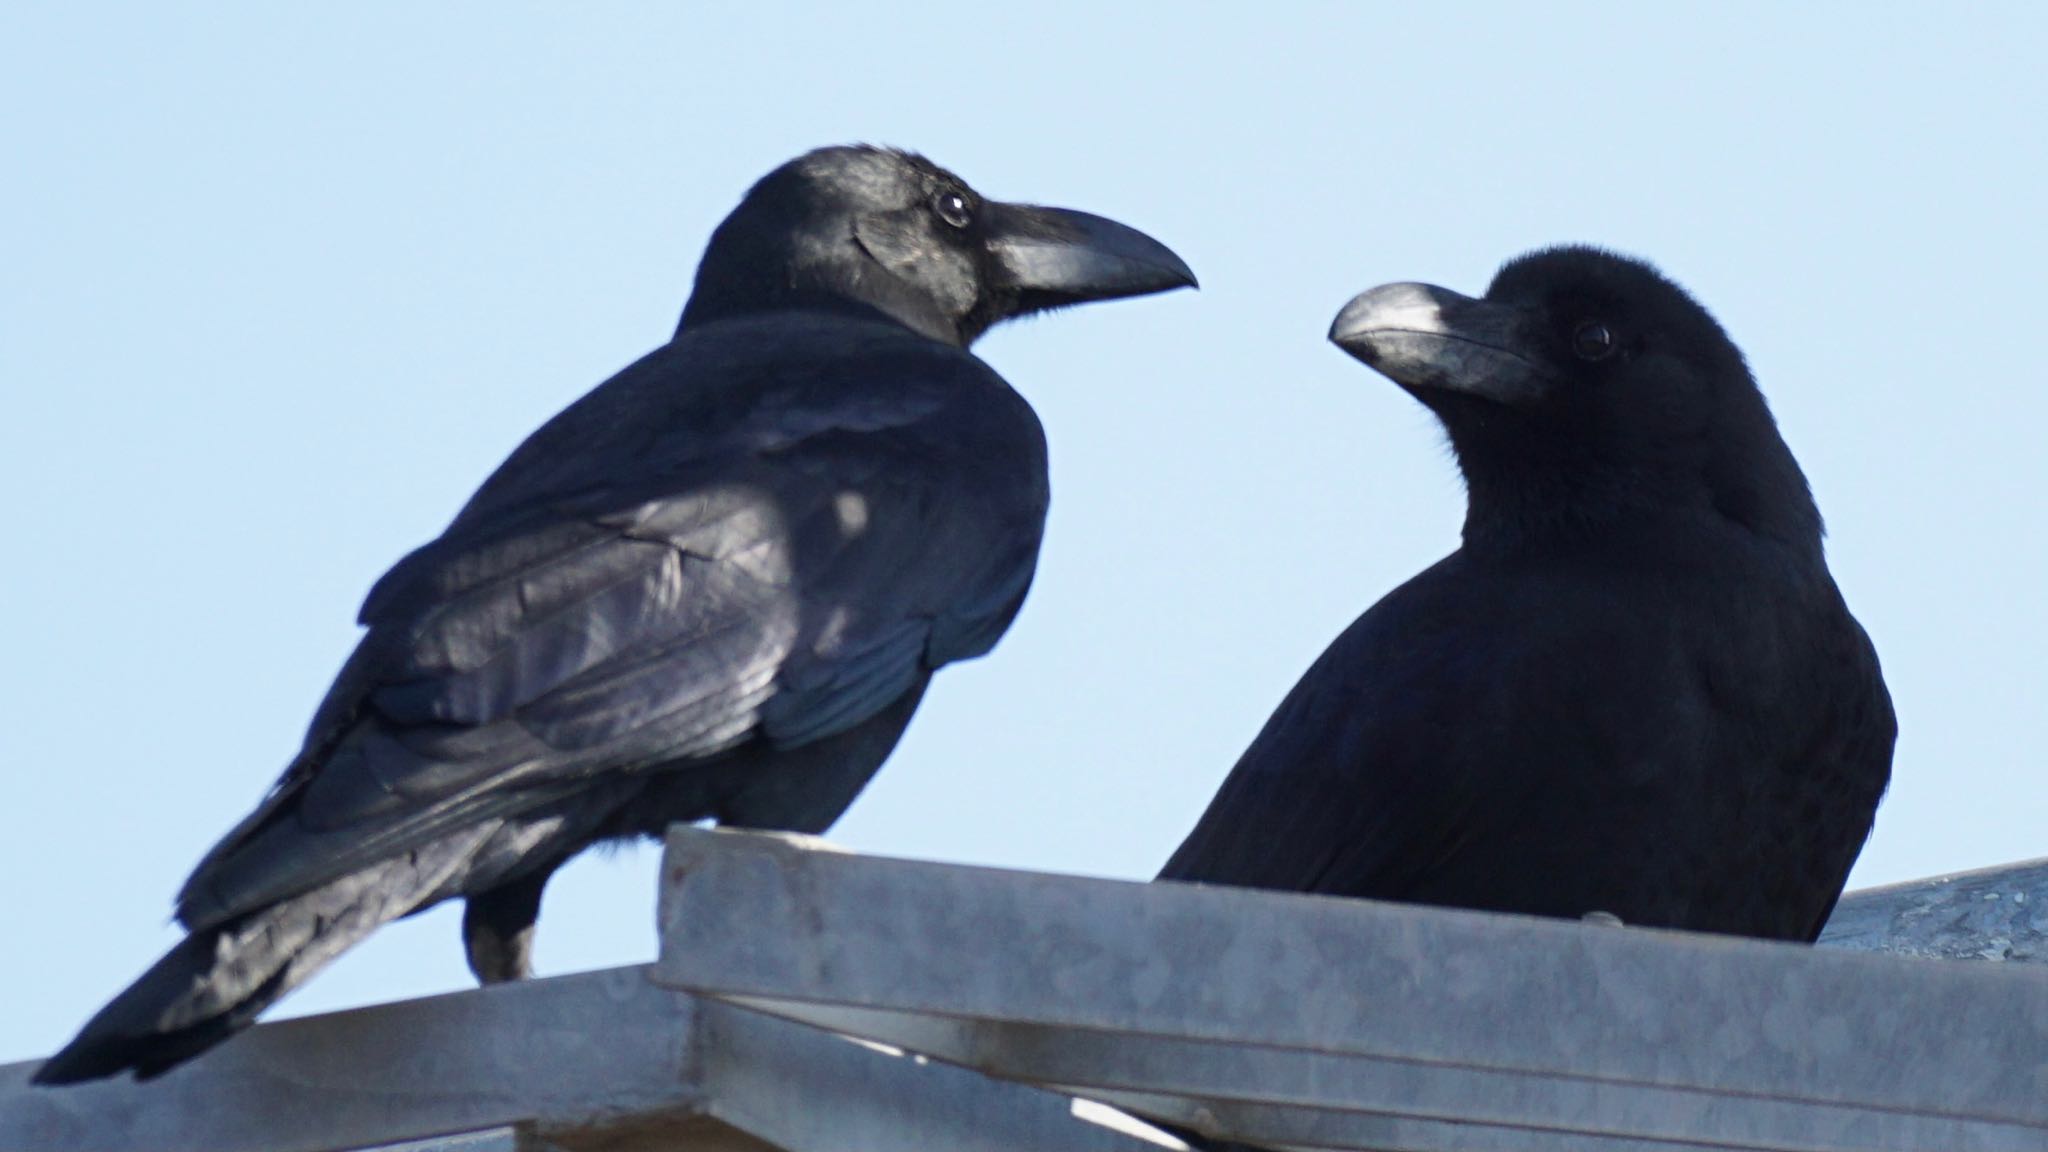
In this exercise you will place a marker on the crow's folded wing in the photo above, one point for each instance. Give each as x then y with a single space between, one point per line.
672 567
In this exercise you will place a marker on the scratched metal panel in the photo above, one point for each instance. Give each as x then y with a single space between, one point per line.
1242 999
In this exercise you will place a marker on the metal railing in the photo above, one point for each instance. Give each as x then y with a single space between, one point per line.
818 1000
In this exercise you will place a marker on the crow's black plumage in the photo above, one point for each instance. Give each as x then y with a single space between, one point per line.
714 587
1634 688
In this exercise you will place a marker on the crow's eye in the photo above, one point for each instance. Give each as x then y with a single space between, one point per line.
952 207
1594 341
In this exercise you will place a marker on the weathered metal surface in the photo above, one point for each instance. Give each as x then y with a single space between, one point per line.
1992 914
572 1052
1284 1020
797 1088
600 1062
494 1140
1356 1024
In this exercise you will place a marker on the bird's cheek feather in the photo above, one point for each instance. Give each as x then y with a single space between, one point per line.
902 245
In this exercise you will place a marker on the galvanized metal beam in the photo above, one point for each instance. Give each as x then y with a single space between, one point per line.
1996 914
569 1053
1280 1019
798 1089
1284 1020
600 1061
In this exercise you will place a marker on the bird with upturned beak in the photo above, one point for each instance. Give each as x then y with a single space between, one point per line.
1633 692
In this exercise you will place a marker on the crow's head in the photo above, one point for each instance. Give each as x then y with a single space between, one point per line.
888 231
1581 385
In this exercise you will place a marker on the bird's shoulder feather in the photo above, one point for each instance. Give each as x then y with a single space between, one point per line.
734 538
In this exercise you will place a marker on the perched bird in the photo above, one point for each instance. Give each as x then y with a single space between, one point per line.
713 587
1633 690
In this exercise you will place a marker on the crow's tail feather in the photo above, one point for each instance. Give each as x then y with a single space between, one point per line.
219 979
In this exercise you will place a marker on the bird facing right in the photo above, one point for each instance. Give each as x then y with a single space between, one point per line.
1633 690
715 587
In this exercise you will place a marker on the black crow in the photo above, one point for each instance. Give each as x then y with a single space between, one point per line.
714 587
1633 690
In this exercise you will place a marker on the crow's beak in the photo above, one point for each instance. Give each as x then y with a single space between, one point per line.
1054 256
1423 337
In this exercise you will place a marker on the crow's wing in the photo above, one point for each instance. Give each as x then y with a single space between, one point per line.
761 532
1680 744
1340 765
1455 709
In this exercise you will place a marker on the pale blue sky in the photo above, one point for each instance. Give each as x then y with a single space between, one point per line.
278 288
